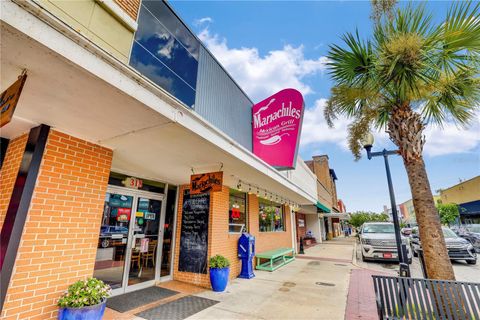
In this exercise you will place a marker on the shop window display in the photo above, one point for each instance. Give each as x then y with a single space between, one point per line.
237 212
271 216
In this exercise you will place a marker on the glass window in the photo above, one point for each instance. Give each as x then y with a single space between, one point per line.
271 216
157 40
237 212
447 233
166 17
168 231
163 53
112 241
378 228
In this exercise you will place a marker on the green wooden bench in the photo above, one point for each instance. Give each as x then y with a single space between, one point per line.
276 259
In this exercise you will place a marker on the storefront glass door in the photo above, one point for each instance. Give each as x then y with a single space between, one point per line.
113 239
144 241
168 233
130 239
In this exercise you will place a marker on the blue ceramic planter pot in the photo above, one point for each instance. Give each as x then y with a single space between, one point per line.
85 313
219 278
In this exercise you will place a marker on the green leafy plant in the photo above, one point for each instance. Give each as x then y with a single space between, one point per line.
219 261
360 217
448 212
84 293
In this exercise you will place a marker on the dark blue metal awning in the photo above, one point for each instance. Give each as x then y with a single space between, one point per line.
469 208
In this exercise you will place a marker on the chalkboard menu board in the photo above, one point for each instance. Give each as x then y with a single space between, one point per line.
194 233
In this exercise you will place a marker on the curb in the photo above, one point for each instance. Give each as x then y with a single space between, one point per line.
354 258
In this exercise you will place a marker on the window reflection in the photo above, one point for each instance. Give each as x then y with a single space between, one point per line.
271 216
237 213
155 38
165 51
153 69
166 17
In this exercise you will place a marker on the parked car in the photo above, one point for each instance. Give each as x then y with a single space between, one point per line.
458 247
111 235
406 231
377 242
471 232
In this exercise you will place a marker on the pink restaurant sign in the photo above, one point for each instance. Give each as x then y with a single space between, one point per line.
277 124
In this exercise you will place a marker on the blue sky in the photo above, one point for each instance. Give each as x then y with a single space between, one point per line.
267 46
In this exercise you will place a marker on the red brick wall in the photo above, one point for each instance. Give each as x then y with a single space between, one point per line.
220 241
60 237
9 171
301 231
130 7
223 242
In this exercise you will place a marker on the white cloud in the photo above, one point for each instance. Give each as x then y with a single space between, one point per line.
315 129
202 21
166 50
451 139
439 141
261 76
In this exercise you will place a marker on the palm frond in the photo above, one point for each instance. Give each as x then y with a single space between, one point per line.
458 38
353 64
357 130
454 97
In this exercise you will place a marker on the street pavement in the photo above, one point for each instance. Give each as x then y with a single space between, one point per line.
463 271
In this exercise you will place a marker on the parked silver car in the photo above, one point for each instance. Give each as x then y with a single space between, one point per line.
471 232
377 242
458 248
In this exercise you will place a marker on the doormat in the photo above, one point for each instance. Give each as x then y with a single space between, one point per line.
177 310
135 299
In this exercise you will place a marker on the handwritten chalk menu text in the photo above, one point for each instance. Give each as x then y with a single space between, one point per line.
194 233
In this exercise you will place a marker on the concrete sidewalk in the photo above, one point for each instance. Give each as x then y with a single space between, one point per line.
314 286
324 283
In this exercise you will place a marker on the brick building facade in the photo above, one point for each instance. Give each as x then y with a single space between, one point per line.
224 243
59 240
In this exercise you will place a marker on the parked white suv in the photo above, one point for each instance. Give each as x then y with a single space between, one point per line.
377 242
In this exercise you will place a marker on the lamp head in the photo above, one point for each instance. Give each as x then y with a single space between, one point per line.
367 140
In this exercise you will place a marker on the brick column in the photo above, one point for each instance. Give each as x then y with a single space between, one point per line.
9 172
223 242
60 236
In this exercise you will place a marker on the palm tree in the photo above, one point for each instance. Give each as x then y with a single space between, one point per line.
410 74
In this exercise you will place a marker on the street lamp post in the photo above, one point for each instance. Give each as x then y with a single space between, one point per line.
367 142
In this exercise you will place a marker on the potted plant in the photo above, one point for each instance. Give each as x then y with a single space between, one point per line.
219 272
85 299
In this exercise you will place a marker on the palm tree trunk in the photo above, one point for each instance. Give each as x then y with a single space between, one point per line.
405 128
437 262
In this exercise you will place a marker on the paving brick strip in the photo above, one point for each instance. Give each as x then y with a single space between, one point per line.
361 303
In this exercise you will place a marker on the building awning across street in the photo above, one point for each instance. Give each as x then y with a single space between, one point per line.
470 208
322 207
340 215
